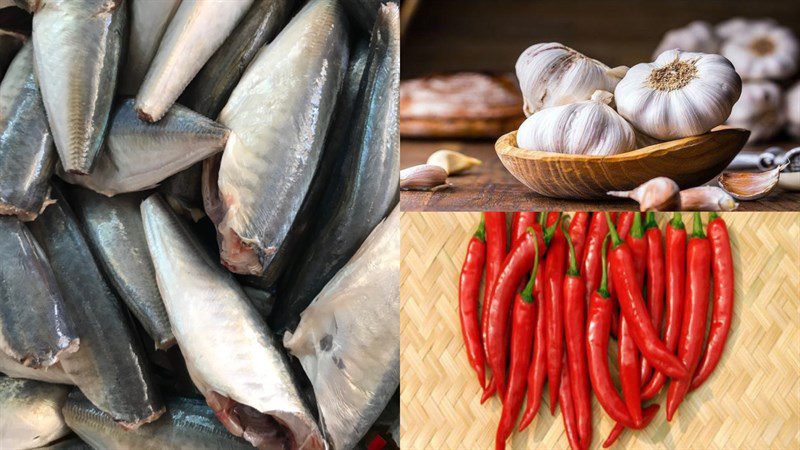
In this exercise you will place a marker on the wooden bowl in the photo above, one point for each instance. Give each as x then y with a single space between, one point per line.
690 161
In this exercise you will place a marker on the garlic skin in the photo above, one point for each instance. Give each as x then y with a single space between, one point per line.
680 94
697 36
739 26
763 52
425 177
793 110
585 128
759 109
552 74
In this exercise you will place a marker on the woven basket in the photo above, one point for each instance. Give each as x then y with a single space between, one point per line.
752 401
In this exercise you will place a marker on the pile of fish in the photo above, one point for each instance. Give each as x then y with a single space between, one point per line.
198 224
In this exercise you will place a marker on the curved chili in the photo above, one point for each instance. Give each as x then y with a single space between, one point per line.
568 412
590 260
554 266
647 417
628 355
722 313
519 224
469 285
537 373
635 311
698 271
675 278
495 255
655 281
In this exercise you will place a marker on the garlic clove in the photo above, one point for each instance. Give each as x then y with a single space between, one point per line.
750 185
658 194
452 162
425 177
707 198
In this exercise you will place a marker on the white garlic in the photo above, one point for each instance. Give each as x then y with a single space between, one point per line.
793 110
739 26
698 36
552 74
680 94
585 128
759 109
763 52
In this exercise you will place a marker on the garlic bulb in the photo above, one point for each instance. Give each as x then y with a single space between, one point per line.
585 128
759 109
764 51
698 36
739 26
552 74
680 94
793 110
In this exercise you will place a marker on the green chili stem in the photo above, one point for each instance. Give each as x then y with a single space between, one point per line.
573 262
677 221
527 293
603 289
697 228
480 233
615 240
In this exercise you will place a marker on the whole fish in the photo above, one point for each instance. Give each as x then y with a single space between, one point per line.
109 367
139 155
279 114
348 339
365 12
212 86
78 47
188 424
31 413
35 329
51 374
182 192
10 43
195 32
231 355
148 22
364 188
27 156
114 230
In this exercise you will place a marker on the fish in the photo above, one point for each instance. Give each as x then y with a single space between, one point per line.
78 46
148 22
210 89
278 114
70 443
109 367
188 424
365 12
231 355
182 192
364 187
52 374
196 31
10 43
348 339
27 155
139 155
113 228
31 413
35 328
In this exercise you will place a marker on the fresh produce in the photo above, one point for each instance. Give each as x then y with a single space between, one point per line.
697 36
554 265
763 50
495 256
759 109
469 286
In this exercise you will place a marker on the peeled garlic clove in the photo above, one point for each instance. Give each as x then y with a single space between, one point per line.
707 198
680 94
697 36
452 162
584 128
764 51
759 109
552 74
750 185
793 110
425 177
658 194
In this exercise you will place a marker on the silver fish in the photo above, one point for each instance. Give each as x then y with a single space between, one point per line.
148 22
52 374
212 86
195 32
27 156
114 230
278 114
35 328
182 192
77 47
139 155
31 413
188 424
231 355
365 12
70 443
348 339
109 368
10 43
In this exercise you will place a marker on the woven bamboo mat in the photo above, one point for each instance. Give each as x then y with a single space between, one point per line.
752 401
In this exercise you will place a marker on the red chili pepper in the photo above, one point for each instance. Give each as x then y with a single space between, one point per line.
647 417
554 266
537 373
635 311
698 286
553 217
495 255
520 223
623 223
722 314
516 265
655 282
574 323
522 328
567 404
468 290
578 228
590 261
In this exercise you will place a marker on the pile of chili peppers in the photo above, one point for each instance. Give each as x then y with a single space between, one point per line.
556 290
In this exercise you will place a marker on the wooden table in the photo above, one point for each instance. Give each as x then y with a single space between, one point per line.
491 187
